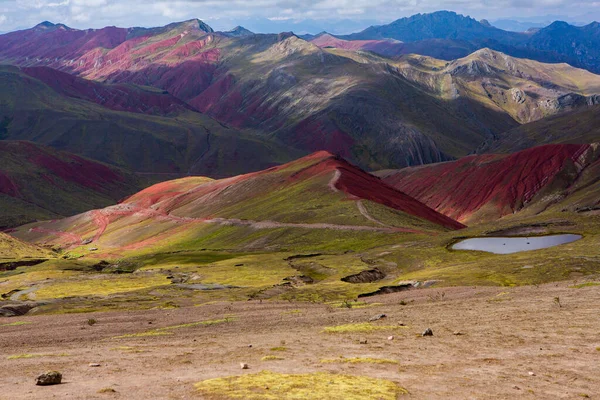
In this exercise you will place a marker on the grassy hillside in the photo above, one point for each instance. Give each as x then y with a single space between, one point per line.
318 193
582 126
38 183
488 187
14 249
188 142
527 90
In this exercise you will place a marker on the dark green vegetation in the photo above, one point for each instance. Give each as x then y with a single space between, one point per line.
40 183
188 142
273 98
581 126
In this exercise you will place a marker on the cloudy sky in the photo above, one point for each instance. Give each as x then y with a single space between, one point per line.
224 14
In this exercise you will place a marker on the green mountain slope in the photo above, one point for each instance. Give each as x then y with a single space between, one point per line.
188 142
578 127
38 182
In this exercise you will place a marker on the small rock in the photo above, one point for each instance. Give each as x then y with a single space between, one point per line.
390 338
428 332
516 387
458 333
243 366
249 345
378 317
49 378
363 341
94 365
401 324
531 373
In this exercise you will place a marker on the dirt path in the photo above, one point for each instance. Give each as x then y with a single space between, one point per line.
274 224
365 213
334 180
515 343
17 296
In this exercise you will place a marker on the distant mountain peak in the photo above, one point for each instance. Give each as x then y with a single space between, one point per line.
198 25
191 24
238 31
47 25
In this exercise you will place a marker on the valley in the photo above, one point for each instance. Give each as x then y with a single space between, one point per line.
189 213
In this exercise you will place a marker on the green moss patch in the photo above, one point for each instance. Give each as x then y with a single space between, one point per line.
358 360
359 328
312 386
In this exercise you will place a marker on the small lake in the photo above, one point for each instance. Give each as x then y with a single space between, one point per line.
509 245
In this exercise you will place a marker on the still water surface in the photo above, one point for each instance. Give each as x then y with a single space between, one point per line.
509 245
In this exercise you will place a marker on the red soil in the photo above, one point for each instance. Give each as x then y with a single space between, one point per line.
116 97
356 183
158 46
69 167
69 238
58 43
8 186
75 169
161 200
507 182
315 135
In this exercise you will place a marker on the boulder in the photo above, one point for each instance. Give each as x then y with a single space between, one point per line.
49 378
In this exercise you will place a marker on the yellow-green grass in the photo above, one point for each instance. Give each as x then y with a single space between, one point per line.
27 355
584 285
353 304
272 358
358 360
17 323
128 349
255 271
199 323
362 327
167 329
143 334
279 348
100 285
268 385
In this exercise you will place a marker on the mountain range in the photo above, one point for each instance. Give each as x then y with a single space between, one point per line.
196 94
152 104
179 166
558 42
318 193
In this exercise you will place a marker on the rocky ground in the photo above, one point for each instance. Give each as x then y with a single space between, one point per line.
538 342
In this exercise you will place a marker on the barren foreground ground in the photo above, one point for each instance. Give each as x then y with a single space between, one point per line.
529 342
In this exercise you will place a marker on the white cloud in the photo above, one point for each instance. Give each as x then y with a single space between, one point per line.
98 13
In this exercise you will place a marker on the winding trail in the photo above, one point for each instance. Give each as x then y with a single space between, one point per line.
102 218
365 213
334 180
17 296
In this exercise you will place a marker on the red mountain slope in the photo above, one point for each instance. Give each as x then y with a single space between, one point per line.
118 97
490 186
171 196
317 192
279 86
37 182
